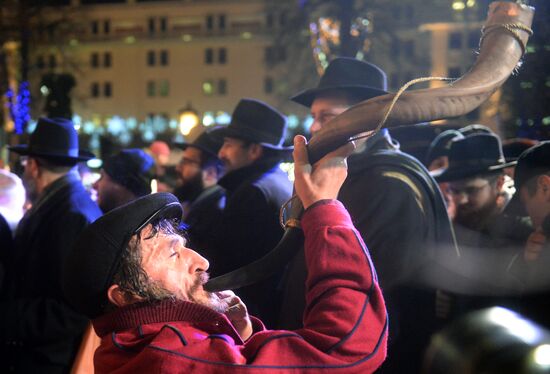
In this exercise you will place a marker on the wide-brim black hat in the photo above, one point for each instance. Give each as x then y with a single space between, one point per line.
54 139
363 79
441 145
95 258
209 141
257 122
471 156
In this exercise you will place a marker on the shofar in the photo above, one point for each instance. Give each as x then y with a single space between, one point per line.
500 51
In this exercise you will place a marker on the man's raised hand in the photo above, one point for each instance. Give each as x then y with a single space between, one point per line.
322 180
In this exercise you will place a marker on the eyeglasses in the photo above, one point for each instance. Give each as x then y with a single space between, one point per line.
468 191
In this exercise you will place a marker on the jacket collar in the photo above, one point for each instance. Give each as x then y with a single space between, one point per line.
50 190
234 179
131 316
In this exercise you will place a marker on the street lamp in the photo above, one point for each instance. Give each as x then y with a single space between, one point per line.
188 119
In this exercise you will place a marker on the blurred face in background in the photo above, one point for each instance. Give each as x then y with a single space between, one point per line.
236 153
535 196
190 173
109 193
475 200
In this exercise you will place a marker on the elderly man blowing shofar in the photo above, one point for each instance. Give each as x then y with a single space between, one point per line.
132 274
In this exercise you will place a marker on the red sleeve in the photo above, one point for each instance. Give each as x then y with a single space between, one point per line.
345 313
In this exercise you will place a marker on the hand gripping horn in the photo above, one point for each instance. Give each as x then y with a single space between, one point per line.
502 45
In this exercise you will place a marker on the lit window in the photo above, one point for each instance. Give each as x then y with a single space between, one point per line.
151 89
164 89
208 88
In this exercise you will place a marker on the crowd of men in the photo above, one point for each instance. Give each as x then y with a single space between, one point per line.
394 249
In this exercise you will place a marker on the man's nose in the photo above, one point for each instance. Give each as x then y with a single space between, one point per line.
197 263
315 126
460 198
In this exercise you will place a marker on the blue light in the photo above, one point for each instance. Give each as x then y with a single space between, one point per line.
293 121
19 106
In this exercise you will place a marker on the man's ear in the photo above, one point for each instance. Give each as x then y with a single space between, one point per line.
255 151
543 182
33 167
500 182
119 297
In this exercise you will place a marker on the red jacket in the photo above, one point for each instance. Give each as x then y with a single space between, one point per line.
345 323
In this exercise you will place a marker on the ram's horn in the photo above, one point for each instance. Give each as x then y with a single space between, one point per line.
501 49
499 55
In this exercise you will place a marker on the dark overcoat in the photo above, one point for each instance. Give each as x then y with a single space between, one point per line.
39 331
202 214
399 211
250 228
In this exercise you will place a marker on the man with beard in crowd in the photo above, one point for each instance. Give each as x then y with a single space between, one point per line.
125 176
475 176
397 208
133 275
256 188
487 236
39 331
201 197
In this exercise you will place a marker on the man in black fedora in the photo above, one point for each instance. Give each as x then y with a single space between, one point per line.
396 206
39 331
202 198
256 188
125 176
476 177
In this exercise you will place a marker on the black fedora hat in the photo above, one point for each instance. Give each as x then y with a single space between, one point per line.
441 145
54 139
513 148
94 260
473 155
364 79
256 121
209 141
